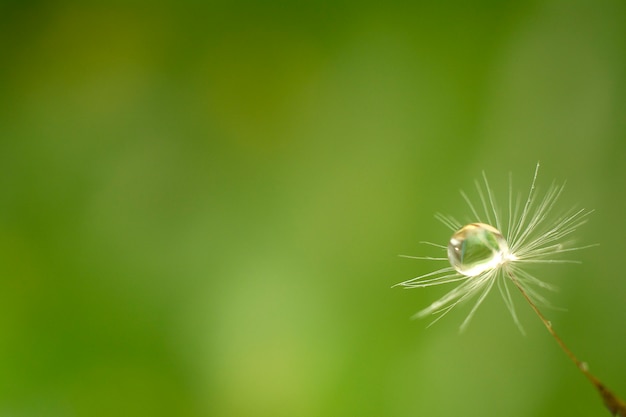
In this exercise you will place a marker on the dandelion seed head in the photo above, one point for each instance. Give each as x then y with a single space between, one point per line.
496 248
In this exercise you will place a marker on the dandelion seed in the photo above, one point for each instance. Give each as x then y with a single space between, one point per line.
481 255
494 249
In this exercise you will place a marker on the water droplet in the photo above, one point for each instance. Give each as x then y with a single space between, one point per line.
476 248
583 366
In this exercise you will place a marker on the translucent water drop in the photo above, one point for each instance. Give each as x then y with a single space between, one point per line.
476 248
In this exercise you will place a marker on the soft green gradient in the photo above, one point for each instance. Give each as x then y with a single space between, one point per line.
202 204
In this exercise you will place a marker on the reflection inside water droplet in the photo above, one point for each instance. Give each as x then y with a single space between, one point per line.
476 248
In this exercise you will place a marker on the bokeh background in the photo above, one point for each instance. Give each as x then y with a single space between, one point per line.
202 204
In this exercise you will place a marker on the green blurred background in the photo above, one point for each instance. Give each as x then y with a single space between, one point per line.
202 204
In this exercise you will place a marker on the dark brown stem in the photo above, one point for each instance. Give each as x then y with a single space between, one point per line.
616 406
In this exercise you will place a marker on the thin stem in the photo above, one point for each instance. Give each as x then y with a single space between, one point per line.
616 406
